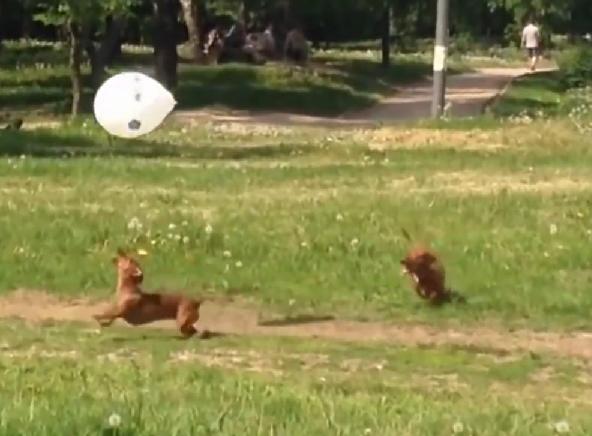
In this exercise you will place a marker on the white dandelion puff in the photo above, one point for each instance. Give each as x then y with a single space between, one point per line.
114 420
561 427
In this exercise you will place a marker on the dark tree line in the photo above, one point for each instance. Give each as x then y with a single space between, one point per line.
95 29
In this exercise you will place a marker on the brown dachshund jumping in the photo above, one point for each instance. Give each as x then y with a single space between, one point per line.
137 307
429 277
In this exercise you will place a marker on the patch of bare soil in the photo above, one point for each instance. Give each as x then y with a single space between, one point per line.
237 319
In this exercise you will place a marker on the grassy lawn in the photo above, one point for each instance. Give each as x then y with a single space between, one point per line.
63 379
297 222
539 95
333 83
278 215
336 80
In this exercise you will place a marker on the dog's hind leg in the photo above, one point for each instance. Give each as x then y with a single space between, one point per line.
187 316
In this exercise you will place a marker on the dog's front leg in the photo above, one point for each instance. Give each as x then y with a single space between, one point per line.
106 318
418 288
119 310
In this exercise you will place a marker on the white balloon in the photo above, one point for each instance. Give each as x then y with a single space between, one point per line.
132 104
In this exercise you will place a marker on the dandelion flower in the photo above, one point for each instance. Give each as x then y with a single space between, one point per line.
239 264
553 229
339 217
114 420
134 224
458 428
227 254
172 226
142 252
561 427
209 230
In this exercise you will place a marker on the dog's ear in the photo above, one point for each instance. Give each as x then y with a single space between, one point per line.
429 257
137 270
121 252
115 260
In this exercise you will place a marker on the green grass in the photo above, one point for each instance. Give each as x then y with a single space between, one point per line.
298 221
536 95
290 214
333 84
34 79
61 379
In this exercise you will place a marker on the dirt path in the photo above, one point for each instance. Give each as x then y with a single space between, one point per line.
467 95
237 319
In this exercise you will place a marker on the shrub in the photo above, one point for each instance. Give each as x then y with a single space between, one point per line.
576 66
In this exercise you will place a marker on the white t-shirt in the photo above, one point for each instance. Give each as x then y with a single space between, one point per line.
530 36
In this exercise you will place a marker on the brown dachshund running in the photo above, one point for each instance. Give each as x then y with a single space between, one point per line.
137 307
428 275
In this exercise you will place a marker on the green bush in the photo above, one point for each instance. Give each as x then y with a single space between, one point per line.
576 66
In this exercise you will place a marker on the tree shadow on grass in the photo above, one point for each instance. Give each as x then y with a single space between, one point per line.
31 55
245 89
52 144
524 105
328 87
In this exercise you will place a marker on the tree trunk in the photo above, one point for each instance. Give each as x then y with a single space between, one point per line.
2 9
191 17
110 46
243 13
165 42
108 49
27 20
75 62
386 35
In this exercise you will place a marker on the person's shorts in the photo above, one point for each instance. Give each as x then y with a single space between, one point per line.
532 52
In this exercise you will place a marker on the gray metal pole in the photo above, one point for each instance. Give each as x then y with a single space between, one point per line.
440 55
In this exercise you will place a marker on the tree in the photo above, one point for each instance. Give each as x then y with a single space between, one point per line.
165 14
192 16
81 18
386 34
101 54
75 16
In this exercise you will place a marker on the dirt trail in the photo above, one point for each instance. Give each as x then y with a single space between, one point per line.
237 319
467 95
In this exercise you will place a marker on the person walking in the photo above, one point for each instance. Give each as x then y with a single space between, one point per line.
531 40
